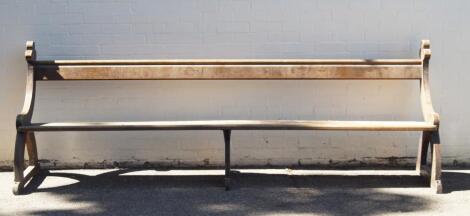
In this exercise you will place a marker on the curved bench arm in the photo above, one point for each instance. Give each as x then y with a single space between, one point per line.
24 118
426 103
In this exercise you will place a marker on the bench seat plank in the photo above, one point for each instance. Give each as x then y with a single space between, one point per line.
233 125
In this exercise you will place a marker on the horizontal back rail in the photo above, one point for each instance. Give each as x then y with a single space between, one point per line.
167 71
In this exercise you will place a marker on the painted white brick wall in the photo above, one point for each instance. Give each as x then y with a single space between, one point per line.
114 29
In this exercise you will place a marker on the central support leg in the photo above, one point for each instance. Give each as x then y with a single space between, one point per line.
227 158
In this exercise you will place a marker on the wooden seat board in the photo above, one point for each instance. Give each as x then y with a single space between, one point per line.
234 125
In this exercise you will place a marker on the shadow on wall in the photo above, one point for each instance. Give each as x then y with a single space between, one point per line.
116 194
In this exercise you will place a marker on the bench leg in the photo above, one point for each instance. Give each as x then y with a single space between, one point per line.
421 159
22 174
227 158
436 183
32 149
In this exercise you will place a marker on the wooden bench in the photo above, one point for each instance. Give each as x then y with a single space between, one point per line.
286 69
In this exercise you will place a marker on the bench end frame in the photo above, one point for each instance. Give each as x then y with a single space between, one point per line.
429 140
26 139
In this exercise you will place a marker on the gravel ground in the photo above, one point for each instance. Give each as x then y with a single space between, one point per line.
254 192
